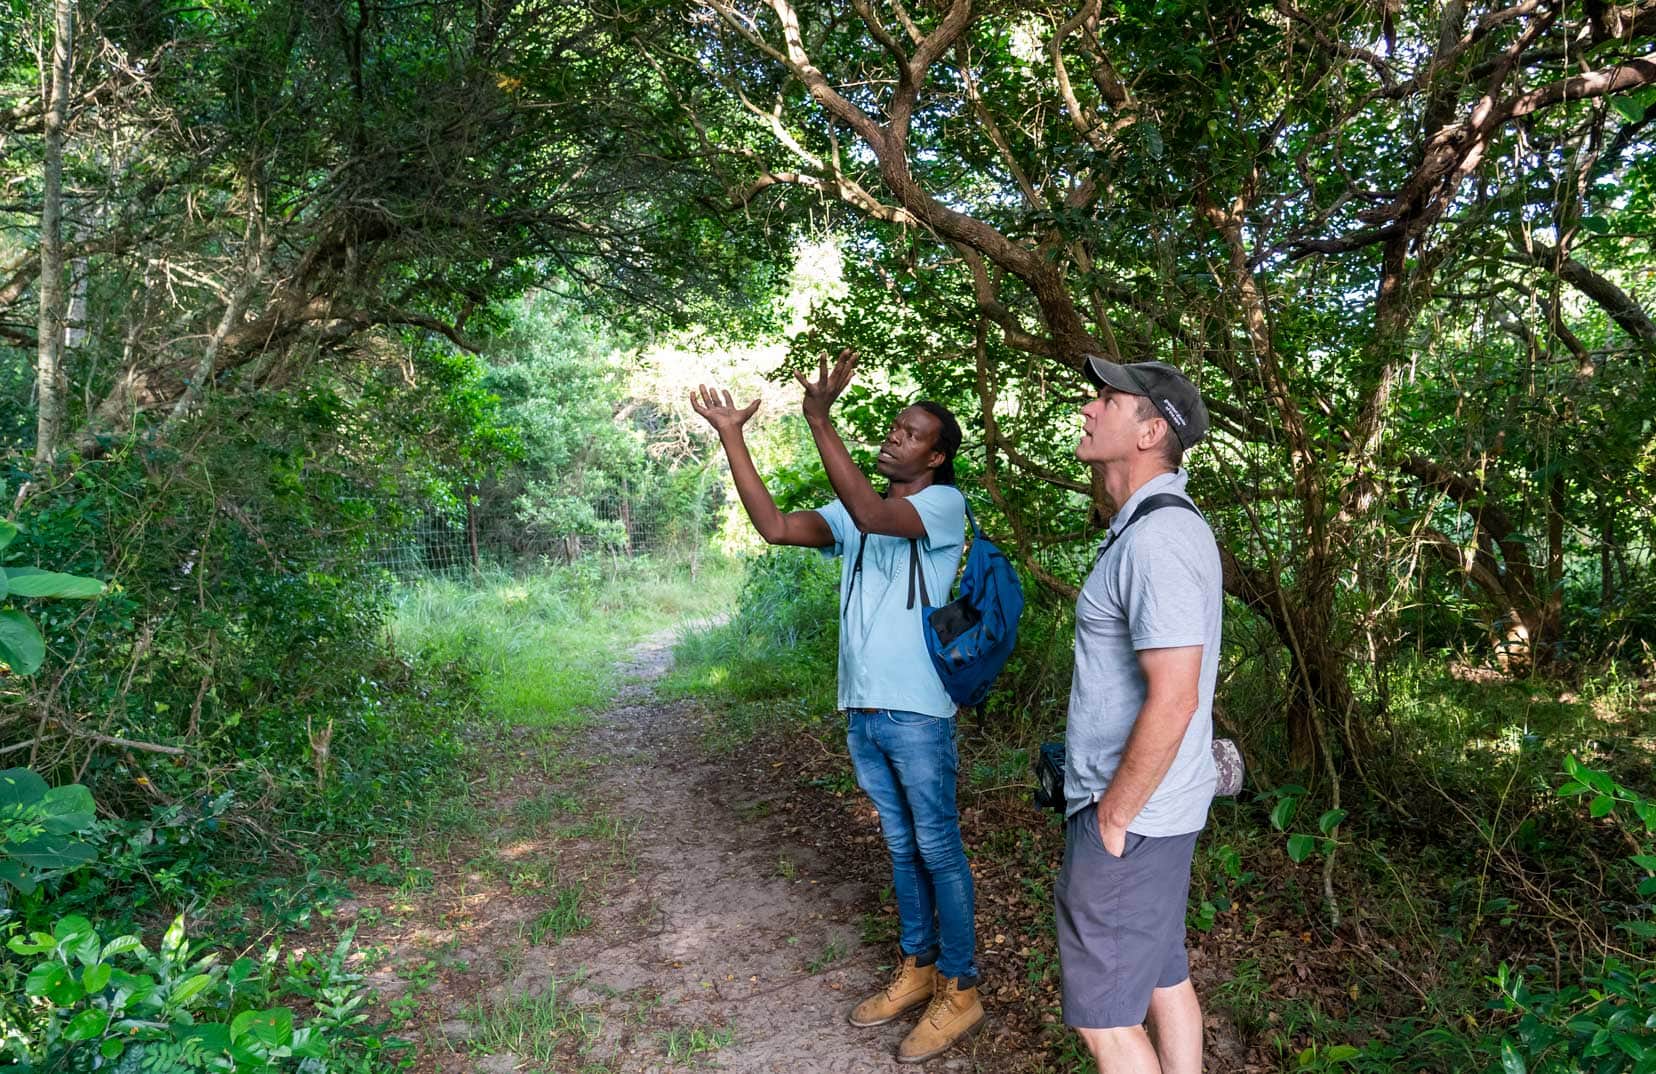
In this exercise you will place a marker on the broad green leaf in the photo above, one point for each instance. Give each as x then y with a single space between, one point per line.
68 809
112 1048
72 928
120 945
53 852
1300 847
172 941
1340 1053
21 786
86 1025
21 645
13 873
273 1028
8 532
53 981
28 582
1330 820
214 1037
190 989
95 978
1601 806
1283 812
1511 1061
1598 225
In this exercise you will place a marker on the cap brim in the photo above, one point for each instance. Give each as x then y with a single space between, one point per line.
1110 375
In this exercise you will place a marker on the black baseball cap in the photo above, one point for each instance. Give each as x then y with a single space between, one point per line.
1173 396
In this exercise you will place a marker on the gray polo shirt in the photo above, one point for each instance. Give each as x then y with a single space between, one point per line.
1156 587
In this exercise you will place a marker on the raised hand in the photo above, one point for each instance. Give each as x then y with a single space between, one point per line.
721 413
821 393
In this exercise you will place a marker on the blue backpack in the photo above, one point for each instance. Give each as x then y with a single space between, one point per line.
971 637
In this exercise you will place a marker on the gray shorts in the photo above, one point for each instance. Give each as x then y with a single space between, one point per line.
1121 922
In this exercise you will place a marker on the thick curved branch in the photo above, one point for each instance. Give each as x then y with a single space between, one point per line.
1618 304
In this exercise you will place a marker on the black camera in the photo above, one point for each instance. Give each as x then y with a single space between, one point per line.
1049 776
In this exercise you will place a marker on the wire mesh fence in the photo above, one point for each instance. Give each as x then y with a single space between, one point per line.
484 532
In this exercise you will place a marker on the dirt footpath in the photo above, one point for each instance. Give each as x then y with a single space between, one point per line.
625 903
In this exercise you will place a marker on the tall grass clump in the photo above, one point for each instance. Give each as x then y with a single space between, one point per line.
775 658
541 648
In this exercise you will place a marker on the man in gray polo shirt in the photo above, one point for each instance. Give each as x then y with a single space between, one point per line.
1140 771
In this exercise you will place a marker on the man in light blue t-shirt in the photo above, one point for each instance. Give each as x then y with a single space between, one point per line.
897 549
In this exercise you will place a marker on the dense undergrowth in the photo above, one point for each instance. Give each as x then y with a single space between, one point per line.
155 935
1489 864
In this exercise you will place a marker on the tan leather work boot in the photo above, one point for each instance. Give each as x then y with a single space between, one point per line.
953 1014
910 986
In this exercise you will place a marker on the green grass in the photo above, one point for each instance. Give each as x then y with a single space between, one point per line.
563 920
537 1028
541 649
694 1044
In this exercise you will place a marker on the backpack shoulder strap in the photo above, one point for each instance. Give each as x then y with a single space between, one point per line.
856 569
1150 504
915 576
1156 503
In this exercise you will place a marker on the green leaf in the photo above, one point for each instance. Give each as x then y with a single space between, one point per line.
1283 812
1572 788
1340 1053
72 928
95 978
112 1048
1645 861
191 988
1631 106
1511 1061
1598 225
53 981
29 582
1601 806
13 873
86 1025
214 1037
21 786
21 645
1300 847
68 809
8 532
1330 820
273 1028
120 945
52 852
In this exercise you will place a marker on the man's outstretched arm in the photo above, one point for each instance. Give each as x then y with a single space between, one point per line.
871 512
806 529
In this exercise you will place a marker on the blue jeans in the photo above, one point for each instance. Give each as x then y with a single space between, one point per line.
906 763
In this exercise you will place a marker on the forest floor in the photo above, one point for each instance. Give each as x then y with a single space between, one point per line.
631 899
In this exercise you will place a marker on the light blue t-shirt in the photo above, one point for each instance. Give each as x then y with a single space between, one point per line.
883 662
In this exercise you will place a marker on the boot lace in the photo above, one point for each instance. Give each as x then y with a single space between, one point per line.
897 977
937 1011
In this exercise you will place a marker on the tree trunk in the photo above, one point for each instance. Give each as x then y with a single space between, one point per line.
51 385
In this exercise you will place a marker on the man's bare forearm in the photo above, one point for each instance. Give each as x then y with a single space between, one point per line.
849 483
1151 750
756 498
